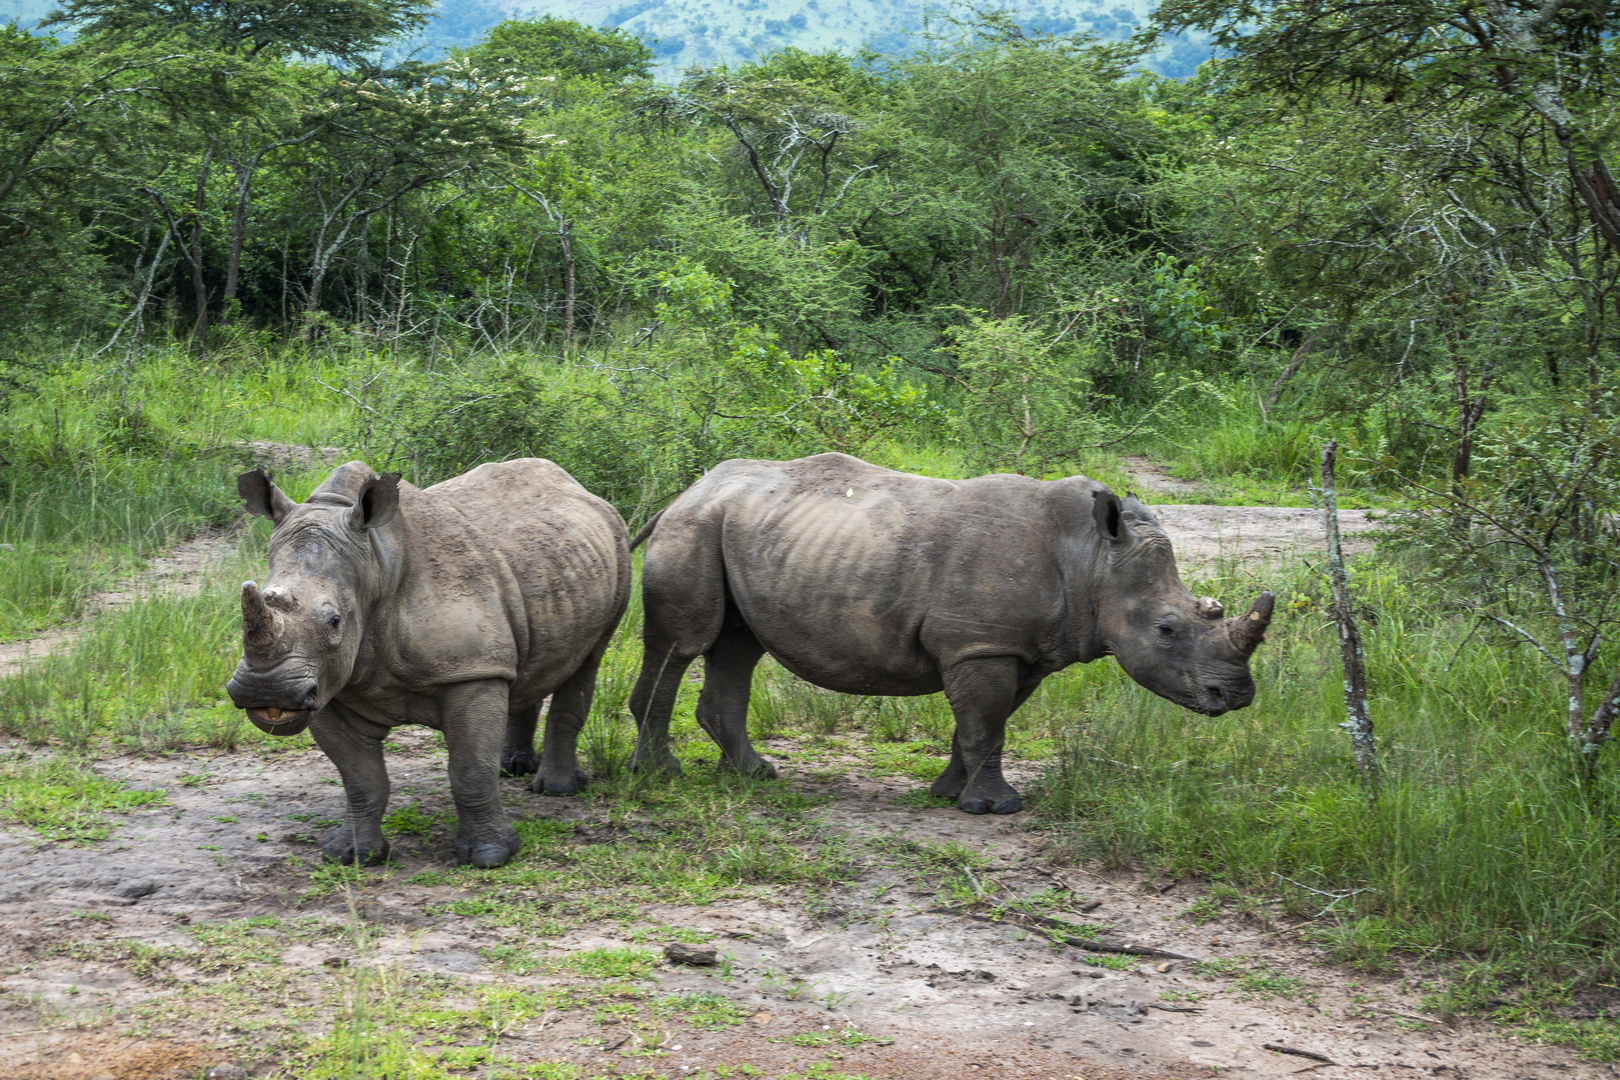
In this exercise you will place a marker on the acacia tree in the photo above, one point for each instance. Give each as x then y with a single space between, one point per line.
800 146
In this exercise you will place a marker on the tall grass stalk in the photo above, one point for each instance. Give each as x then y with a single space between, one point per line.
1479 841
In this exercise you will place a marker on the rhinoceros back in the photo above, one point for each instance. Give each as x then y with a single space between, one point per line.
513 571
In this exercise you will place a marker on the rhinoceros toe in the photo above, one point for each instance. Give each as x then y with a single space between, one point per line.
571 785
761 769
520 763
488 852
340 848
1009 803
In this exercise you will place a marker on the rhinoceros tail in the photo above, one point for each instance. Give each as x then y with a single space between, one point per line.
646 530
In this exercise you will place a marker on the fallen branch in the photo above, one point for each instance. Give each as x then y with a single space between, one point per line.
1077 942
1336 896
1313 1055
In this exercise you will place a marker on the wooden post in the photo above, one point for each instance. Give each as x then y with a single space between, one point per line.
1359 722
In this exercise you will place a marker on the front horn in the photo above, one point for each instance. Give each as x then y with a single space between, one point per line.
255 616
1249 630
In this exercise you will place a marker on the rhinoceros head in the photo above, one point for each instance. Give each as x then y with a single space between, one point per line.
1180 646
302 632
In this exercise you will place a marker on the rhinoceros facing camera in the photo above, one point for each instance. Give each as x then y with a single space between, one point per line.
461 606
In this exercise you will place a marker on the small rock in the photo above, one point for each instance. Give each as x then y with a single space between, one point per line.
135 888
7 547
227 1072
697 955
335 962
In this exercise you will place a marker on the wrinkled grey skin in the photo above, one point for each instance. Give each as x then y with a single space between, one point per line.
461 607
868 581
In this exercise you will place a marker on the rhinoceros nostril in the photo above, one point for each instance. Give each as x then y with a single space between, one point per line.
310 700
1217 696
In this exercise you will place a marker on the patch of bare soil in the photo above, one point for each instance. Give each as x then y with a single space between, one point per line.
1151 476
883 955
276 456
1204 535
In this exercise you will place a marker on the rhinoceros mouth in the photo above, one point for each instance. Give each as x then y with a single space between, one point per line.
275 721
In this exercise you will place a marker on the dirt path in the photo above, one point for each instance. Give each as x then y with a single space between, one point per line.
875 979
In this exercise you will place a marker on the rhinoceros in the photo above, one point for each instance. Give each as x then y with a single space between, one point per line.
459 606
864 580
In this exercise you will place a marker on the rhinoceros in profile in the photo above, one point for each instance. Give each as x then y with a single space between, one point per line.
868 581
460 606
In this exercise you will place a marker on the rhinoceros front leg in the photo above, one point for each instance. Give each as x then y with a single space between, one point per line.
355 747
722 707
982 694
474 716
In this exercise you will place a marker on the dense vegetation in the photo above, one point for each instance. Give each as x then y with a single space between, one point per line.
1004 250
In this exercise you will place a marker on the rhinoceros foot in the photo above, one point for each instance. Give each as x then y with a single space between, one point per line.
665 764
341 848
488 851
520 763
1001 800
761 769
571 785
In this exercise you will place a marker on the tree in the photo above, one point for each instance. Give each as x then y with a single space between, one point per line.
345 30
553 47
387 134
1479 64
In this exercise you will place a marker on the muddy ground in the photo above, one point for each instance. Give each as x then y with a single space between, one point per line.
957 995
886 977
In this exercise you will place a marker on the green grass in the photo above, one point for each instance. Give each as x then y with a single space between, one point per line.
1479 841
64 801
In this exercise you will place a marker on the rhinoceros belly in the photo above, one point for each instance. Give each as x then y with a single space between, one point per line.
837 591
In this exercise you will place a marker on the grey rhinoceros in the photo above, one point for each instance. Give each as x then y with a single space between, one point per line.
868 581
460 606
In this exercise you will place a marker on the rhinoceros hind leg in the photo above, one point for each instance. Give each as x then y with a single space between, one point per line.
651 703
573 785
518 757
722 707
951 779
1007 801
559 772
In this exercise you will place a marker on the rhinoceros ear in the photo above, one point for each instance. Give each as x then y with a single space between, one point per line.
1106 512
378 501
262 497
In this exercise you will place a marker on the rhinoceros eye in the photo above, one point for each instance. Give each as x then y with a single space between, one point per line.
1166 630
334 620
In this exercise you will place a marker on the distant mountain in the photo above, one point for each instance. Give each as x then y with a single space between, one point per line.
687 33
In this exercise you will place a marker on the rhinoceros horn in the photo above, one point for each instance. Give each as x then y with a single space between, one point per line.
256 620
1248 630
